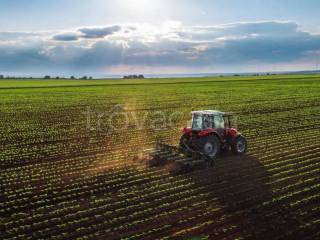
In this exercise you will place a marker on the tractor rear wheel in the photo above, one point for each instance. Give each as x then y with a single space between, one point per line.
210 146
239 145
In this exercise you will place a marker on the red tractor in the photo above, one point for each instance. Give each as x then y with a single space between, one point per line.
211 132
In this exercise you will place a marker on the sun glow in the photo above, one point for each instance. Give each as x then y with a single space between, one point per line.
138 3
138 6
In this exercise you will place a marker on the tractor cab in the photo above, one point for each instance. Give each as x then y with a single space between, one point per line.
203 120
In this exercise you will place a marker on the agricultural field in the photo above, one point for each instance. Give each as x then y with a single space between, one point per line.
72 165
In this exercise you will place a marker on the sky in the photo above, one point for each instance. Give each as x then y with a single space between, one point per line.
107 37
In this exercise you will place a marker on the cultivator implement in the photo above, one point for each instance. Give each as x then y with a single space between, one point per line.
181 159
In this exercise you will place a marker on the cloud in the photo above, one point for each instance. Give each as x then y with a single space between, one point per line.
99 32
87 33
9 36
236 46
66 37
22 57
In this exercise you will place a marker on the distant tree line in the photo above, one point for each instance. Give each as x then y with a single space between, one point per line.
46 77
133 77
72 77
12 77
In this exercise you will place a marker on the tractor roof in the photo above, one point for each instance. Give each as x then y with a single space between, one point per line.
212 112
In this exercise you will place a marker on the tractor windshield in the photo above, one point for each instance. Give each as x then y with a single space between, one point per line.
197 122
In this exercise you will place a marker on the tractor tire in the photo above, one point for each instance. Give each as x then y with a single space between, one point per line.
239 145
210 146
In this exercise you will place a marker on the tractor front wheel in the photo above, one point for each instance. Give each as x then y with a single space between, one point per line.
239 145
